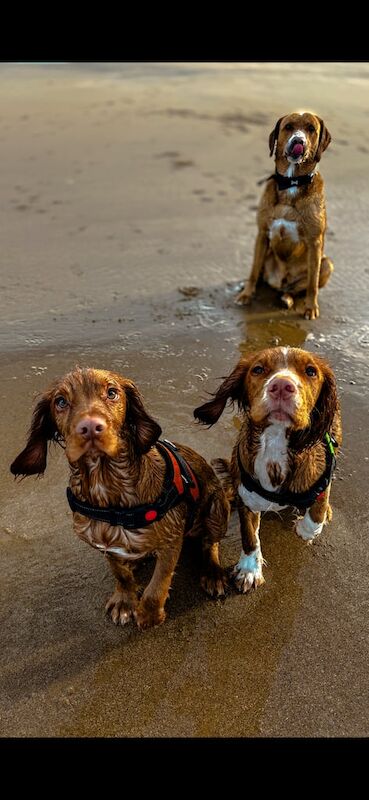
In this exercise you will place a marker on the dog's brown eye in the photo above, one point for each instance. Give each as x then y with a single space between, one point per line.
112 394
61 402
288 127
258 370
311 372
311 129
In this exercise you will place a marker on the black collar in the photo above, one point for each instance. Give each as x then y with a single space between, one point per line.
300 500
284 182
179 485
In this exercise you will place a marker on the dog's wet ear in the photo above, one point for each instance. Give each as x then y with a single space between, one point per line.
233 388
143 427
323 413
32 460
324 140
273 136
326 405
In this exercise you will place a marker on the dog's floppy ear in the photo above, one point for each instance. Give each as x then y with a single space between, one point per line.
143 427
32 460
324 140
233 388
322 415
274 136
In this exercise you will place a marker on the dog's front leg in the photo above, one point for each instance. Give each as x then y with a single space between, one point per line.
214 578
123 601
248 572
314 255
261 247
309 526
150 610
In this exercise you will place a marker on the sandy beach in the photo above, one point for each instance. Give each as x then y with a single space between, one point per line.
128 205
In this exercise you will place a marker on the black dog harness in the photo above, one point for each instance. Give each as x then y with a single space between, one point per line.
284 182
300 500
180 484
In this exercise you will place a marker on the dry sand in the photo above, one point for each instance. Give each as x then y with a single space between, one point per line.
122 184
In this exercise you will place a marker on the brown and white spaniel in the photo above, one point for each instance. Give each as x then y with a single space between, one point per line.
118 467
289 248
283 455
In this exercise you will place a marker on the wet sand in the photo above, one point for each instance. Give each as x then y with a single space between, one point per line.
128 199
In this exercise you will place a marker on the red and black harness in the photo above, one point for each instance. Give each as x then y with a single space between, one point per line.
180 485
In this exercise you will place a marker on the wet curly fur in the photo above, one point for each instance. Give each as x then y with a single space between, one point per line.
110 445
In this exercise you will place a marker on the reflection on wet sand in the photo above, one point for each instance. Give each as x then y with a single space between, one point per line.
263 330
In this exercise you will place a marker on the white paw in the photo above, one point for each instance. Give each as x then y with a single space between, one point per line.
307 528
248 572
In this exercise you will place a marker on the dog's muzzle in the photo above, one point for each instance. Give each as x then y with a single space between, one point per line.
296 148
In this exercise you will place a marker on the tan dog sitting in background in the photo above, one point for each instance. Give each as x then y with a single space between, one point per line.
289 249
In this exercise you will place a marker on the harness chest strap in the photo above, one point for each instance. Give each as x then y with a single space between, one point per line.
299 500
180 484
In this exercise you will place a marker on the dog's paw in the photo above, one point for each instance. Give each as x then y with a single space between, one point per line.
244 298
307 529
214 582
311 310
119 609
248 574
148 617
287 301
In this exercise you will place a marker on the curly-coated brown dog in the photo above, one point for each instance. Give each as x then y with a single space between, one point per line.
131 494
285 450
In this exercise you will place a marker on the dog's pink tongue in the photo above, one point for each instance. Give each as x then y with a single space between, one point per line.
297 149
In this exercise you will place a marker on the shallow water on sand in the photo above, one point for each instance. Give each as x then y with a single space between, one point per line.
128 200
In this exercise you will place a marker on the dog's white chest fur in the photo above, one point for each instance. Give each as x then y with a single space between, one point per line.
289 228
127 544
119 551
272 450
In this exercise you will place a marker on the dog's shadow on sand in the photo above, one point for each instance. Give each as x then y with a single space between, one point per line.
62 632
